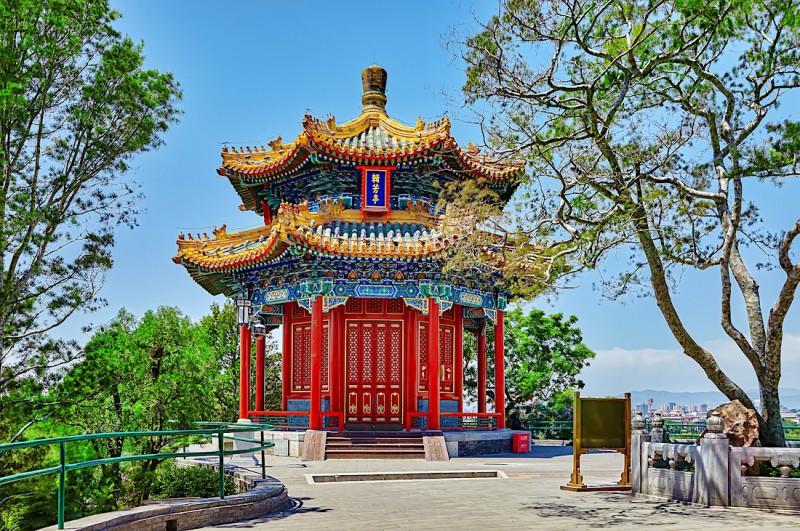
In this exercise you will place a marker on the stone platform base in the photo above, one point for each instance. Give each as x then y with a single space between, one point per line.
287 443
464 443
459 443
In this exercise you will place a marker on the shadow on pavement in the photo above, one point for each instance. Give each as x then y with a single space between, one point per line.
604 509
537 452
297 507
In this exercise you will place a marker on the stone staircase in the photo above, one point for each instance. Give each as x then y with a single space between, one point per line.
376 445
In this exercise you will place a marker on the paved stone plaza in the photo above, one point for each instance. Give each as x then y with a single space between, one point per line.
529 498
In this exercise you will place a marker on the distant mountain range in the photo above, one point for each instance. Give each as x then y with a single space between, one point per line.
790 397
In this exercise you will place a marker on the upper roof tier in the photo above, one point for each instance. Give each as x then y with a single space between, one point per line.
325 149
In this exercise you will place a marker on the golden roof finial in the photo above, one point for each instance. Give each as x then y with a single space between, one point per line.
373 81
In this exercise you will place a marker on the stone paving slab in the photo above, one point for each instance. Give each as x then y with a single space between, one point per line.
529 499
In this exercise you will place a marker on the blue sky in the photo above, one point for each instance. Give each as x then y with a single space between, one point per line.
250 70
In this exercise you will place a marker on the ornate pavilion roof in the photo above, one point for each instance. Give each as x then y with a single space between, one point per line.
314 221
330 231
372 138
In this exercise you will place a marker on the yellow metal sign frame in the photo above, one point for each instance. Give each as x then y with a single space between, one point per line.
607 426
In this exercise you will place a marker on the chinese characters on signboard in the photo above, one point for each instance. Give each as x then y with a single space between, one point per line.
375 189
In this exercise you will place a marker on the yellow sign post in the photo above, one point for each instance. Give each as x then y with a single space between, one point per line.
600 424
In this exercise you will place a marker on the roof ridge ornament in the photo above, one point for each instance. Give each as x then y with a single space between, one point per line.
373 81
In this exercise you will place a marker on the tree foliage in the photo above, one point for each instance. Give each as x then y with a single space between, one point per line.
644 123
76 105
157 372
544 355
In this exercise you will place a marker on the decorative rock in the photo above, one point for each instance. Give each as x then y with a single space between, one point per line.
739 424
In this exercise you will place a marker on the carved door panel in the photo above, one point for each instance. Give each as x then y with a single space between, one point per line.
446 358
301 358
374 371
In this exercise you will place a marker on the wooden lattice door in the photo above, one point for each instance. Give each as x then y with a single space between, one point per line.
374 371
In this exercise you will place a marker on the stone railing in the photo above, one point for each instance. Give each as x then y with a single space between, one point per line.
711 473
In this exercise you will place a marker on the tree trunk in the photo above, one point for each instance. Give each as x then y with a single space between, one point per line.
770 423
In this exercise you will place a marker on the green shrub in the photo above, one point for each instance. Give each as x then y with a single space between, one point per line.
190 482
765 469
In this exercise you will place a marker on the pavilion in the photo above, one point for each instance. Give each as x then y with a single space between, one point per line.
349 261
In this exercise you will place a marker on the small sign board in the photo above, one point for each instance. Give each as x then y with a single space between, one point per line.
600 424
375 189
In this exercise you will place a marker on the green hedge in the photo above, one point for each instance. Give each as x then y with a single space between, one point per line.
190 482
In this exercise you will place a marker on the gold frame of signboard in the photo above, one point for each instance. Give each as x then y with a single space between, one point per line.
600 424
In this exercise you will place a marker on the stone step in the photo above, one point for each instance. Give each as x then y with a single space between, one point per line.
361 444
375 445
374 441
374 453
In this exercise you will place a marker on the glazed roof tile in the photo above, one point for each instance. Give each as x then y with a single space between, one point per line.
295 226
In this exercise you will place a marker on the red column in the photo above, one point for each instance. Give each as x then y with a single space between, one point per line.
334 382
499 371
458 356
340 358
260 348
244 372
286 355
412 355
316 363
482 368
433 364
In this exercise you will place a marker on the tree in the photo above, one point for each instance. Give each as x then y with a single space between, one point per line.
221 333
642 123
544 354
156 373
75 106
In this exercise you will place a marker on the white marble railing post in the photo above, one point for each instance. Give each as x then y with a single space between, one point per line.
657 431
638 456
712 467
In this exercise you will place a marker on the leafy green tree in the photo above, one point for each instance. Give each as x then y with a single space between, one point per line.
544 355
221 334
75 106
156 373
643 124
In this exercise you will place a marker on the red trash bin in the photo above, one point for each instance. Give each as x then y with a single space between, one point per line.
522 443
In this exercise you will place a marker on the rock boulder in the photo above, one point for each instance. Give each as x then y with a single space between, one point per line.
741 424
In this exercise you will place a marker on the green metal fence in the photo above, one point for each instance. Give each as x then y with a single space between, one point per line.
562 429
550 429
217 430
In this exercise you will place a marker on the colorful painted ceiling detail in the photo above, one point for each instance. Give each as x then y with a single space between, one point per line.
355 203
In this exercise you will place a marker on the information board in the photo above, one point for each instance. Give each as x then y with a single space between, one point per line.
600 424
